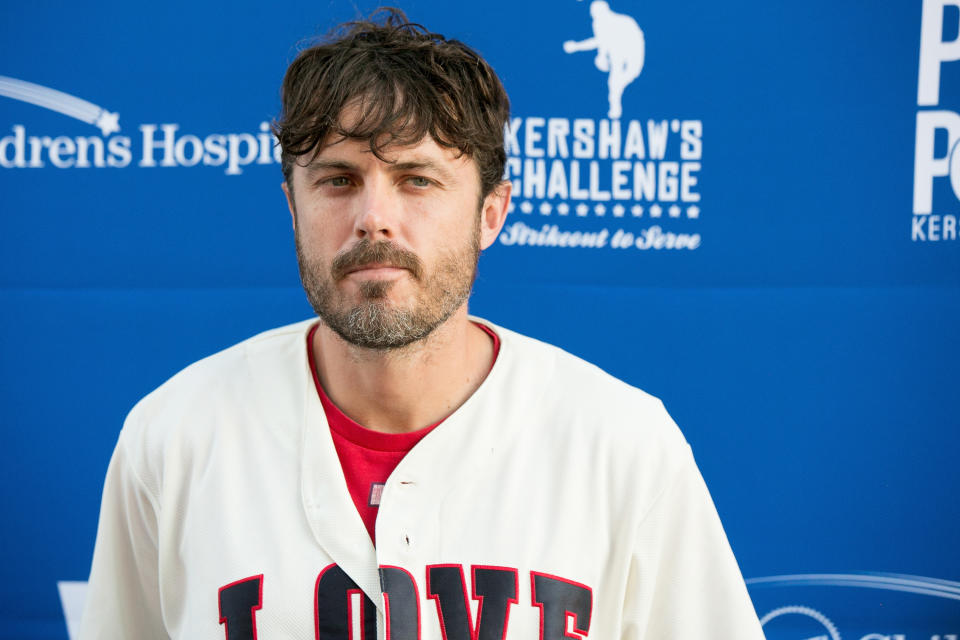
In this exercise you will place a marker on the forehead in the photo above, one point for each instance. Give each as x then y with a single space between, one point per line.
425 149
363 121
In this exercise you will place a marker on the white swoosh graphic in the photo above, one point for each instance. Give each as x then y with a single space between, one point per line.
810 613
64 103
887 581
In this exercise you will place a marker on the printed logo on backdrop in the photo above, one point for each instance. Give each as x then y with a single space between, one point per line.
887 617
613 180
155 145
934 210
798 622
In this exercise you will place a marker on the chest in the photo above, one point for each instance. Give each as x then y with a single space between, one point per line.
263 545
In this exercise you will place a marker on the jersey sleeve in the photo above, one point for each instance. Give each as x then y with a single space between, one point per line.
123 598
684 581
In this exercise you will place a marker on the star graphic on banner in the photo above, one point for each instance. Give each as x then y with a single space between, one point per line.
655 211
546 208
636 210
582 209
108 122
693 211
674 211
600 209
511 207
563 208
618 210
526 207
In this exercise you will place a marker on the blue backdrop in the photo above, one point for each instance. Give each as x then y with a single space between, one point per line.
764 237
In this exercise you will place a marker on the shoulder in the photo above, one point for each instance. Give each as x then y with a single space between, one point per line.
580 396
571 418
232 370
261 376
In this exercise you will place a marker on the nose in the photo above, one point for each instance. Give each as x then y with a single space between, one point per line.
378 213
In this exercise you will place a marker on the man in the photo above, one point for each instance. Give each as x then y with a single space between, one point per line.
397 469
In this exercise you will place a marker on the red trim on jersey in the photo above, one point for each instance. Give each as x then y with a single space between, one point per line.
367 456
351 614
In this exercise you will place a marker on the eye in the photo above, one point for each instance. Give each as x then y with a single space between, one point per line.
337 181
419 181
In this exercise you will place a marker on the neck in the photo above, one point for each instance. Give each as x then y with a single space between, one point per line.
403 390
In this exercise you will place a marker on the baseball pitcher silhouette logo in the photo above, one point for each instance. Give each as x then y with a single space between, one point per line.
620 48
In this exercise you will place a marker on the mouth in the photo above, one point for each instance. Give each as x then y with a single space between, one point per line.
375 270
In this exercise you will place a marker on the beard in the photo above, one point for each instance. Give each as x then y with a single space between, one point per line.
373 321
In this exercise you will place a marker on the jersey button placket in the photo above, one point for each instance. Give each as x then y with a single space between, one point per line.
406 541
394 522
405 494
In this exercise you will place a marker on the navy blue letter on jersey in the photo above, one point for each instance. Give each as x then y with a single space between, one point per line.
239 602
495 587
402 603
334 604
559 599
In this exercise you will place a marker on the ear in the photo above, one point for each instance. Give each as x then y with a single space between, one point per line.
494 213
290 204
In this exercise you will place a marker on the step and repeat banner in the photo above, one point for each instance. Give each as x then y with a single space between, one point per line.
748 209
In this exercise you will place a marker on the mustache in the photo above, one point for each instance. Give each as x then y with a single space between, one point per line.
381 253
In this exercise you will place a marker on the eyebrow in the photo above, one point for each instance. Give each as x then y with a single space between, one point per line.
423 165
318 164
321 164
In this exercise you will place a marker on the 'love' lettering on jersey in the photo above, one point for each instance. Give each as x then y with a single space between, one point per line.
344 612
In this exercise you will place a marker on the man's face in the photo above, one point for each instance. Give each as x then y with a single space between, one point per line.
388 250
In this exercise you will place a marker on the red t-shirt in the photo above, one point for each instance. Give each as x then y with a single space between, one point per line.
369 457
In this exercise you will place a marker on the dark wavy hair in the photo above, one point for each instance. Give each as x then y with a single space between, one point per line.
406 83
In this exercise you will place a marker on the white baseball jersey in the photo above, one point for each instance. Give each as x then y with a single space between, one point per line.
557 502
